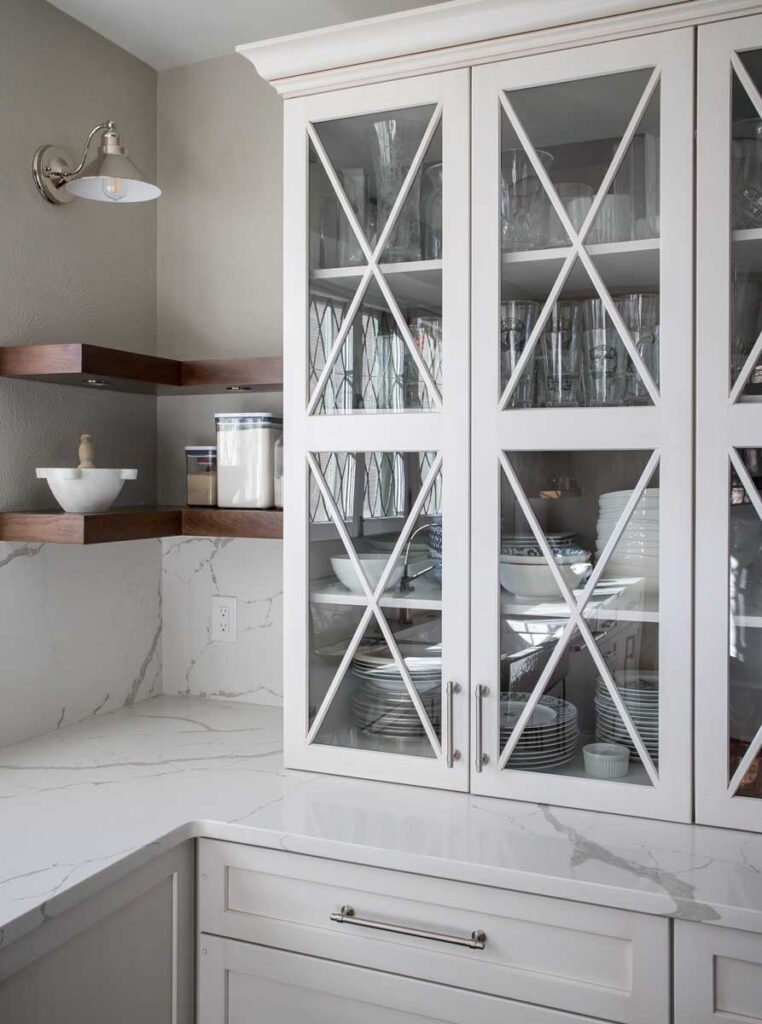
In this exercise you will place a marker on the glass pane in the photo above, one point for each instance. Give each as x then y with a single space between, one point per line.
375 494
576 128
417 233
577 498
579 358
746 222
745 639
371 155
376 369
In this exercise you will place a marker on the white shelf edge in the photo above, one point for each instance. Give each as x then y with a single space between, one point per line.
595 249
413 267
747 235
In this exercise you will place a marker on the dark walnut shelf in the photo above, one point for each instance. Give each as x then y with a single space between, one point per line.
110 369
139 524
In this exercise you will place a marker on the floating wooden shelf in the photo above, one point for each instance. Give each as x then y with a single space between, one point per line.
139 524
110 369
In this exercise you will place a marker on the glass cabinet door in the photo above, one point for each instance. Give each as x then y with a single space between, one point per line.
377 428
729 426
581 441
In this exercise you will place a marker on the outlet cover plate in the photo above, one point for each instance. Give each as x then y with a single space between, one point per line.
224 620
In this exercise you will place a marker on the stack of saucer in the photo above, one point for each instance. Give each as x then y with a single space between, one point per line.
637 552
380 701
640 694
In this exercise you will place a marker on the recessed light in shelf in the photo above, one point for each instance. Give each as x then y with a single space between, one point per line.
95 383
238 387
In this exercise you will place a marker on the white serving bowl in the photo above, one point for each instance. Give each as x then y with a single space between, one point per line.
606 760
537 580
85 491
373 564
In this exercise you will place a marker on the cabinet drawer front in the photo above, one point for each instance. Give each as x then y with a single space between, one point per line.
239 983
590 960
718 975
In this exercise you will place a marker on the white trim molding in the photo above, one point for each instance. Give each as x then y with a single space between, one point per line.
460 33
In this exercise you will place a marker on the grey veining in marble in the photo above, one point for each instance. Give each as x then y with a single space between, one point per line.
84 804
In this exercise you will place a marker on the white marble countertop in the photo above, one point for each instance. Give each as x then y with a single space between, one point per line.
85 804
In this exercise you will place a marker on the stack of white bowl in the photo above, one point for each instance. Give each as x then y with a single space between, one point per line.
637 551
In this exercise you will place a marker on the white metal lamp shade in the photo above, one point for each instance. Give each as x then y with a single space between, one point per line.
112 178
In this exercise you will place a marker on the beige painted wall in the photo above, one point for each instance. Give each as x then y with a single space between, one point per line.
84 272
219 294
79 628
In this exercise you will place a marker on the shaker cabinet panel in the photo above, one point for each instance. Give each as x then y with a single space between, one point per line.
376 403
241 982
581 427
718 975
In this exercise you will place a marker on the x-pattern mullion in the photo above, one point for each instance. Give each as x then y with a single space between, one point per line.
576 613
577 239
373 597
753 357
372 257
756 743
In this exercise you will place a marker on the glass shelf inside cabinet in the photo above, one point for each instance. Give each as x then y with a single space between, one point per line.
579 233
375 565
376 250
579 614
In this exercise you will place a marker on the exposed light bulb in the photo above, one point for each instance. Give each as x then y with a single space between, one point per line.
114 188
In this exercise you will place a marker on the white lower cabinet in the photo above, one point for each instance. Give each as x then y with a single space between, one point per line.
718 975
124 955
241 982
564 957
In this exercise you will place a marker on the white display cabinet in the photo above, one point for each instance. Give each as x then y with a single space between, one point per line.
729 426
492 415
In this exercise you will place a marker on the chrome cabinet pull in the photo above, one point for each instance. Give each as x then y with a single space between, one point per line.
346 915
480 758
452 755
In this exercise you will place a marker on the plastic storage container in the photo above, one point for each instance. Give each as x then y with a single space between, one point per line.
201 474
278 472
245 459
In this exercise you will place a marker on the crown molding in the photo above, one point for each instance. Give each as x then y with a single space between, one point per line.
460 33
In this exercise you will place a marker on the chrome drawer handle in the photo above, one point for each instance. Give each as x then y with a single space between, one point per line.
346 915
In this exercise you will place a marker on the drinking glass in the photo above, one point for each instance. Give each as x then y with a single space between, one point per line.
354 181
562 356
577 198
393 143
604 356
747 173
431 213
640 312
517 318
613 222
746 285
524 204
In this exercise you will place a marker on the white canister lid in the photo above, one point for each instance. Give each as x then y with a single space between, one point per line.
249 420
201 447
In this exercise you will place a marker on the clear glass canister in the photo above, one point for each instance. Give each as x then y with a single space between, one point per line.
245 459
278 473
201 474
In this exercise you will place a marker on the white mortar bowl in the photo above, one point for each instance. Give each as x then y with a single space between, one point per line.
84 491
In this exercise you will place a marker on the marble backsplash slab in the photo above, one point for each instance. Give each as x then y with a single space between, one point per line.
193 571
80 632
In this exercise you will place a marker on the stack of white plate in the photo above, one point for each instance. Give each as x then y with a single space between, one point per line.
380 701
640 694
637 552
550 737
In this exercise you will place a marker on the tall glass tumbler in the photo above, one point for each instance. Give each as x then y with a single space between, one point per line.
354 181
746 320
640 312
562 356
431 212
604 356
517 319
524 204
746 153
393 144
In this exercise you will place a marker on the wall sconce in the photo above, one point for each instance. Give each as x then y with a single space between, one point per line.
110 177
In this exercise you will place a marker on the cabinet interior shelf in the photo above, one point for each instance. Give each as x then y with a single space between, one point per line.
426 595
621 601
532 273
142 523
747 246
418 283
109 369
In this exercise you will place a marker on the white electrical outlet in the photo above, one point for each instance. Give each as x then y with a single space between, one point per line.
224 619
